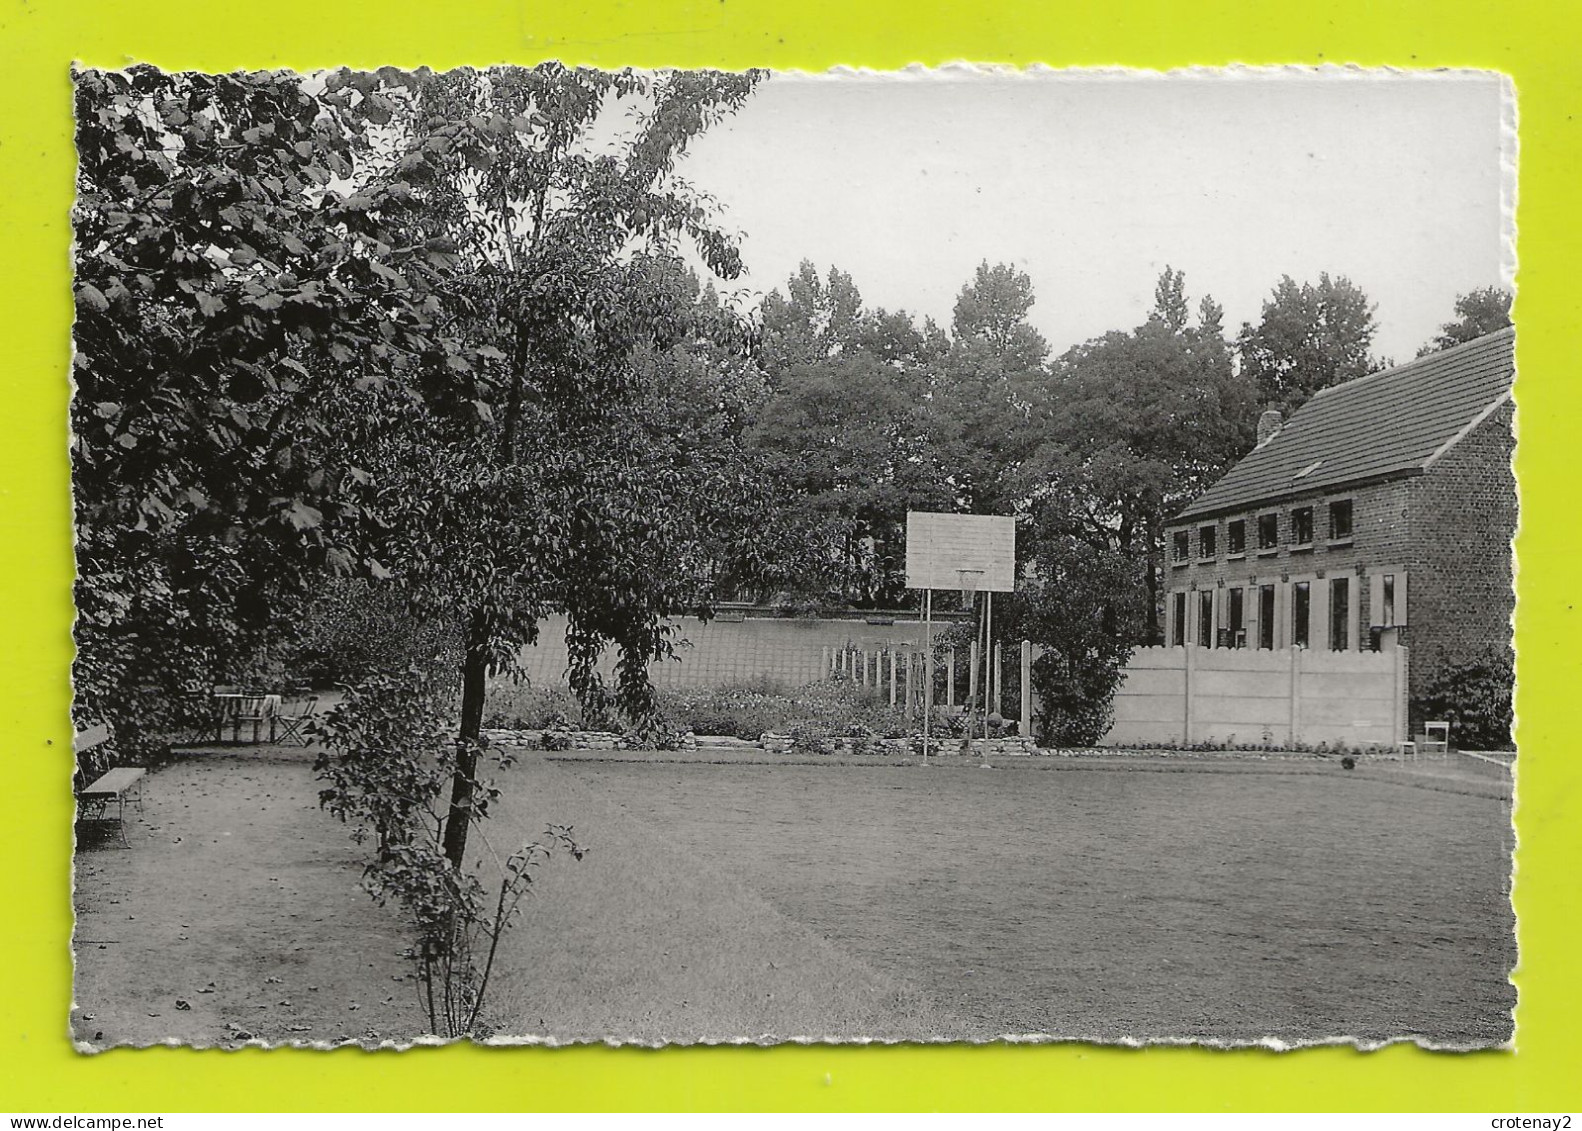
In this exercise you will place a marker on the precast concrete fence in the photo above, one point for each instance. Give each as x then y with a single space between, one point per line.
1285 697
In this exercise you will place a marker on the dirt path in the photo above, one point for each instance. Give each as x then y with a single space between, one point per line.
235 915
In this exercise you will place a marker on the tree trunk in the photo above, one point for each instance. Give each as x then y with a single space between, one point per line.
474 669
513 403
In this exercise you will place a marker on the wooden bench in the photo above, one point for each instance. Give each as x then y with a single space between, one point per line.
113 785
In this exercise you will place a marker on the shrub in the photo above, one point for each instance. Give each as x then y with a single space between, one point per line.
388 757
521 706
352 630
839 708
1474 694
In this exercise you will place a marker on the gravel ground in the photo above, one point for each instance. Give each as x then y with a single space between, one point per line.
234 916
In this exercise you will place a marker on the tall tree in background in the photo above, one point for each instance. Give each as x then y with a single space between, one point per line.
1478 312
1310 336
983 387
844 436
1135 425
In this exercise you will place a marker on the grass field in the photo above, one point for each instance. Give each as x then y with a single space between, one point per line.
1224 904
1111 901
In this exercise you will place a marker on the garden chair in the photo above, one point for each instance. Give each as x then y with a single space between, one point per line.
293 728
255 709
1435 738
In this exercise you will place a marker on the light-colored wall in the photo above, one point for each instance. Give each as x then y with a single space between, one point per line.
1191 695
789 650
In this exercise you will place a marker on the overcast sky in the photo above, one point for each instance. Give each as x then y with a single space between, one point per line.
1092 184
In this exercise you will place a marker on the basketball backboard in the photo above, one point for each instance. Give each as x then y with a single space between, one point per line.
940 548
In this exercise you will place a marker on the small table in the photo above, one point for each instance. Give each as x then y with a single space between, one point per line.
237 708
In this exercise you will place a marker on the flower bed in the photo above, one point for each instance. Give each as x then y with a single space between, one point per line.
565 738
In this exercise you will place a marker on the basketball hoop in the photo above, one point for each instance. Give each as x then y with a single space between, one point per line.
969 579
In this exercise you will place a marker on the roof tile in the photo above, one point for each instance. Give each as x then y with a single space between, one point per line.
1382 426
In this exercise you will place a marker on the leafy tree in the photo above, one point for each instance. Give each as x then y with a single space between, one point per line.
1478 312
227 290
844 436
394 755
993 309
537 474
1310 336
386 324
1082 607
1135 425
984 384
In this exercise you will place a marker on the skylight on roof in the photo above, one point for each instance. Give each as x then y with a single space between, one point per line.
1308 470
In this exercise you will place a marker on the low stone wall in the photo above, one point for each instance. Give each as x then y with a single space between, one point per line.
566 739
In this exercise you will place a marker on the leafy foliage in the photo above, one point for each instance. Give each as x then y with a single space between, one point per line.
871 414
226 287
1310 336
1474 693
1081 607
349 631
1133 426
833 708
390 753
1483 311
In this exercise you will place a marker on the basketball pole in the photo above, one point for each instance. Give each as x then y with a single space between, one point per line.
928 667
990 690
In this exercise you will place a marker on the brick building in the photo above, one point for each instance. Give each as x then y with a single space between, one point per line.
1380 513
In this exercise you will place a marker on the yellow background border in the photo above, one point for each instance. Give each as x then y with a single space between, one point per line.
1536 44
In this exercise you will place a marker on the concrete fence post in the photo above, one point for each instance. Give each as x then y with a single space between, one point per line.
1027 688
1296 695
1186 682
950 677
997 698
910 700
972 673
892 677
1403 721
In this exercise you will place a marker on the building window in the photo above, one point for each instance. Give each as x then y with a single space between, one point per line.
1266 617
1236 626
1302 526
1386 615
1180 548
1268 532
1301 608
1205 618
1340 520
1339 614
1178 620
1205 543
1236 538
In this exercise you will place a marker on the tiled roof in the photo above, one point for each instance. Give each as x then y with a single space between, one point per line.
1386 425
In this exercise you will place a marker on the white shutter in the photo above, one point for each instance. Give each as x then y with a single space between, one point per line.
1354 614
1376 598
1318 615
1282 615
